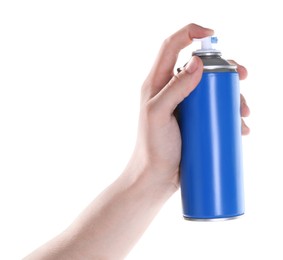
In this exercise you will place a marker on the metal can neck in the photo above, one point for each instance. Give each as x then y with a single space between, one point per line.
201 53
212 61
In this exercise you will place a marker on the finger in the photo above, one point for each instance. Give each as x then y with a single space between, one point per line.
243 73
245 128
245 111
162 70
179 87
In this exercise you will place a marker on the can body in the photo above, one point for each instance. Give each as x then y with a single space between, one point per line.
211 171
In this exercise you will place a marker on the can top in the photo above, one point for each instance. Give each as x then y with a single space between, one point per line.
207 47
211 57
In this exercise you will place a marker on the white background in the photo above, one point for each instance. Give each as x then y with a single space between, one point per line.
70 77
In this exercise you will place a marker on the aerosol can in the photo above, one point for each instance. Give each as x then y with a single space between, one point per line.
211 171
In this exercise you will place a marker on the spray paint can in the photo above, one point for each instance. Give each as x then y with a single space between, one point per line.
211 172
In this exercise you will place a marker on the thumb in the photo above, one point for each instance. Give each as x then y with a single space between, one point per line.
180 86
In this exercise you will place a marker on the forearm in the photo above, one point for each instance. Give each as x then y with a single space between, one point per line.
110 226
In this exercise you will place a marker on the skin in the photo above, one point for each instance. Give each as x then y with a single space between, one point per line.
111 225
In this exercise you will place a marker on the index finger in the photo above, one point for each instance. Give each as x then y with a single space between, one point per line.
162 70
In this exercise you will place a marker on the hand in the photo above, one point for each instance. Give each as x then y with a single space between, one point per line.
158 145
129 204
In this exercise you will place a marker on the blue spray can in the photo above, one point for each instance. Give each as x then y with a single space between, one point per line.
211 173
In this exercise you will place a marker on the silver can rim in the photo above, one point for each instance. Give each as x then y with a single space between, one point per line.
216 67
212 219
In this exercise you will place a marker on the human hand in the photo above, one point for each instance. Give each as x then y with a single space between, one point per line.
126 206
158 147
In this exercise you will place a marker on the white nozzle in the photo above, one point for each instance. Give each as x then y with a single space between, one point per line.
207 44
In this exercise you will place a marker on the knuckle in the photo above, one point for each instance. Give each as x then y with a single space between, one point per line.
144 88
169 41
191 25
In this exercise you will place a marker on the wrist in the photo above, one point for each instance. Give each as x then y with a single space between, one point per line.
151 179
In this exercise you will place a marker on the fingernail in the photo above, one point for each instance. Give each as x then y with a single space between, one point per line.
192 66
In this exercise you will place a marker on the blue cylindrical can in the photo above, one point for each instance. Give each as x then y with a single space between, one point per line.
211 171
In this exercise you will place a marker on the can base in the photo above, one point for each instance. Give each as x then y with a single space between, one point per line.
212 219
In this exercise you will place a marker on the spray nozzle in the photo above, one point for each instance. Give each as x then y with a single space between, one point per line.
207 44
